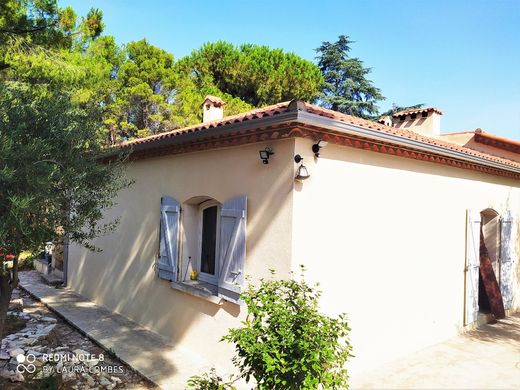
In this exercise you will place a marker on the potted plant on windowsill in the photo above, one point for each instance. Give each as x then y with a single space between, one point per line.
194 275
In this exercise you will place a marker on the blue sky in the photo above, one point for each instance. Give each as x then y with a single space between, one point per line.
460 56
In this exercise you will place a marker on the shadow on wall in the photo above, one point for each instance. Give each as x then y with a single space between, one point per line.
144 292
412 122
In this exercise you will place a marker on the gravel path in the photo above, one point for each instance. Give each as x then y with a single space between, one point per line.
49 353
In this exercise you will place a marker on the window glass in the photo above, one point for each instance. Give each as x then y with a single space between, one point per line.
209 240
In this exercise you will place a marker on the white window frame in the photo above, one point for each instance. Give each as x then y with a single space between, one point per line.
205 277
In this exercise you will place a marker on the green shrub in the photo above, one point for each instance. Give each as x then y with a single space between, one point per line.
209 381
286 343
26 261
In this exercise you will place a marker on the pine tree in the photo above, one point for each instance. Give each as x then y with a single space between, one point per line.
258 75
346 87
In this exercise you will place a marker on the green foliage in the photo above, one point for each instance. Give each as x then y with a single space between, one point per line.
52 93
92 25
258 75
51 181
346 87
144 86
286 343
43 23
143 94
148 93
188 98
395 108
210 381
143 91
26 260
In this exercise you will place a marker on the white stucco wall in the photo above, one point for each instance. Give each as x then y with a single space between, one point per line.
122 278
429 126
385 238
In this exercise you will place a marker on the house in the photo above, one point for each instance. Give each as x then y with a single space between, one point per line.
386 218
487 143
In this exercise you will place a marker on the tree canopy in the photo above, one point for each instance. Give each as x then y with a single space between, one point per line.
150 92
52 182
256 74
346 87
144 90
43 23
144 84
50 175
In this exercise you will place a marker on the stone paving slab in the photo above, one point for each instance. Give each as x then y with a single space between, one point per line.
145 351
485 358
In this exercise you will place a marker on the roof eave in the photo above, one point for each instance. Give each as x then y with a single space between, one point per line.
297 115
334 124
217 131
416 111
484 137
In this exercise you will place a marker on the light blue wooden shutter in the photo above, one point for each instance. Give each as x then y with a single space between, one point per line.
232 248
169 239
506 260
472 265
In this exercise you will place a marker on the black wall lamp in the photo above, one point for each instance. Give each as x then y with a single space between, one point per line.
301 173
265 154
317 146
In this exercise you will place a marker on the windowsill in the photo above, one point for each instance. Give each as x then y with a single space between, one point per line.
199 289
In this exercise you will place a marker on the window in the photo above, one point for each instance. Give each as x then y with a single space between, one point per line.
402 118
413 116
425 114
209 212
210 239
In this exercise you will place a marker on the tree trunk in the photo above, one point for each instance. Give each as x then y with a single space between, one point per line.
8 282
6 290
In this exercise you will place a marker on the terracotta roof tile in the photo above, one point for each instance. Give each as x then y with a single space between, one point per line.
250 115
403 133
496 138
214 99
497 142
482 137
417 111
275 109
